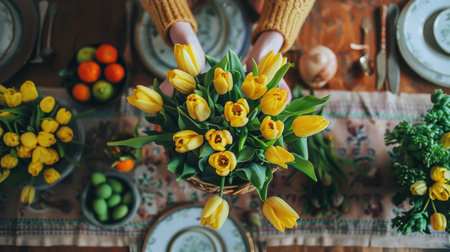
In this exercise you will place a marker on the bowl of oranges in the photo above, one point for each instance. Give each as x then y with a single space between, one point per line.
96 75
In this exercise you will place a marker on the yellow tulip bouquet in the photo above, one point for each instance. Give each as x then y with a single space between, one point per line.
34 133
227 127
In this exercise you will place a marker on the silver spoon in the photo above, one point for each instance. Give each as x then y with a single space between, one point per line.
52 13
43 6
364 60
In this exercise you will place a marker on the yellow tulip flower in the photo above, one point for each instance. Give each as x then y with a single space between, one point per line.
27 194
181 81
270 64
308 125
23 152
279 156
188 59
1 131
440 191
271 129
440 174
146 99
12 98
445 140
279 213
224 162
254 87
438 221
223 81
54 157
34 168
51 175
197 107
8 161
11 139
49 126
28 140
187 140
236 113
65 134
28 91
4 174
46 139
47 104
218 139
274 101
63 116
418 188
40 154
6 114
215 212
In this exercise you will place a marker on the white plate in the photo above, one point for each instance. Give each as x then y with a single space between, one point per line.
180 230
441 30
221 26
416 41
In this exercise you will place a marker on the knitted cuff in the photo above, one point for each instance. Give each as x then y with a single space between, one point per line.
285 16
166 13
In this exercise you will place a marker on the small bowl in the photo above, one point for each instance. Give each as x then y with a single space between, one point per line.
88 195
70 79
441 30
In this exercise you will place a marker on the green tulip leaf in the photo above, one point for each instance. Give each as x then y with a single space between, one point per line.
242 138
255 68
236 76
235 63
175 164
246 154
203 163
262 193
304 105
207 97
301 146
166 99
211 60
189 122
255 174
304 166
206 150
187 172
279 75
139 142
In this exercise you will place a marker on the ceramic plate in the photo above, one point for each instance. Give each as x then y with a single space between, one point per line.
19 22
180 230
221 26
416 41
441 30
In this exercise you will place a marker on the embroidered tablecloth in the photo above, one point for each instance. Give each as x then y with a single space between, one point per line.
358 123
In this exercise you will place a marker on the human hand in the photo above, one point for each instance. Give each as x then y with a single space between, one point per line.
266 42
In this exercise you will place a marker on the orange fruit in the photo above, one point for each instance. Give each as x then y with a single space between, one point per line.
126 165
114 72
89 71
81 92
106 54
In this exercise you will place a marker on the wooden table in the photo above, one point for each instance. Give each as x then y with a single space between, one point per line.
333 23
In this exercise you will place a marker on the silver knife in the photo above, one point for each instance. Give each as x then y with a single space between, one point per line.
393 73
381 56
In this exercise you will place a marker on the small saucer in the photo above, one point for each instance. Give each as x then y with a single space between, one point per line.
441 30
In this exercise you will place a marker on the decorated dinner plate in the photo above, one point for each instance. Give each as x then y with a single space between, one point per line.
417 43
221 26
19 21
441 30
180 230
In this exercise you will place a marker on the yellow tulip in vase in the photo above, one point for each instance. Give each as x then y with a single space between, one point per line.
226 131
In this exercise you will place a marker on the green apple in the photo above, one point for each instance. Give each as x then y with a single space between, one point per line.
86 54
102 90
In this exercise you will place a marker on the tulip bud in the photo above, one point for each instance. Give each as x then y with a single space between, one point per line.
308 125
279 213
445 140
279 156
254 87
215 212
63 116
51 175
23 152
274 101
218 139
181 81
224 162
440 191
146 99
65 134
34 168
197 107
54 157
418 188
8 161
11 139
40 154
236 113
6 114
223 81
28 140
27 194
47 104
4 174
271 129
12 98
438 221
187 140
49 126
440 174
270 65
326 179
46 139
188 59
28 91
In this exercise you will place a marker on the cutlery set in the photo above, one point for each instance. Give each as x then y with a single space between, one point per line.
52 9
